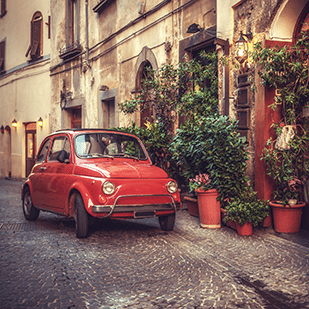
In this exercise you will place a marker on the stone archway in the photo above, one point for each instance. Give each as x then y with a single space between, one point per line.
283 25
146 59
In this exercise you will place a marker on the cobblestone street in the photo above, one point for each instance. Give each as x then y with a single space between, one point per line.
133 264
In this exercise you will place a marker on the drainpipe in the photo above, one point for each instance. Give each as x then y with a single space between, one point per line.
226 72
87 36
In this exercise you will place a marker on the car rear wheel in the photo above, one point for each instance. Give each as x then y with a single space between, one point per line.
81 218
30 212
167 222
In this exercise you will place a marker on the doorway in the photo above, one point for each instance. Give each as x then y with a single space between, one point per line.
7 152
109 113
30 146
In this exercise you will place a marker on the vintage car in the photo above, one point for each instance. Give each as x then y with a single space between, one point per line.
100 173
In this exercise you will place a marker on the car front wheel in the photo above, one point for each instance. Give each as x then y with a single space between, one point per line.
30 212
167 222
81 218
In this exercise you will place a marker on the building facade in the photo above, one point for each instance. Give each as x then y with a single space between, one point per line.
100 50
277 22
24 83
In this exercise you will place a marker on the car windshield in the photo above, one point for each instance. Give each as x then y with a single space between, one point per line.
110 145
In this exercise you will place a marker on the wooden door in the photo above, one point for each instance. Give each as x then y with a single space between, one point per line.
30 146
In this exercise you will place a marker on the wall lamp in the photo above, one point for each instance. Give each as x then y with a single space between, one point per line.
2 129
194 28
40 122
14 123
241 53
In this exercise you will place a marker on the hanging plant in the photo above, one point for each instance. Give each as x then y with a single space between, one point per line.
287 70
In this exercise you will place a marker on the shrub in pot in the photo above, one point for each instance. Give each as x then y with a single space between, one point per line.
246 208
212 145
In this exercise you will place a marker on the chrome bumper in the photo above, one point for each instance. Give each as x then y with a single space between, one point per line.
148 210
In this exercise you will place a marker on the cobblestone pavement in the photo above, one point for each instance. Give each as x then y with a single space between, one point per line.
133 264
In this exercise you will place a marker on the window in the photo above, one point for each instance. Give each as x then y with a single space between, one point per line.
3 8
109 113
43 152
2 56
36 44
72 47
76 118
59 143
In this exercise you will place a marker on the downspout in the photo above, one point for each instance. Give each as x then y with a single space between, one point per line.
87 34
226 72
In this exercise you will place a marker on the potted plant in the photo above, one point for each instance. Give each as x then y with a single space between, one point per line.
208 204
285 154
284 165
246 210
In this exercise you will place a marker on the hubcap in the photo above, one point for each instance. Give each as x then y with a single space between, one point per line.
27 204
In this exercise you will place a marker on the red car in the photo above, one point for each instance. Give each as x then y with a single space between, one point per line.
100 173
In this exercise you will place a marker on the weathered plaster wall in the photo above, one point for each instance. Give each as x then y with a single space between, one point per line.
25 88
117 36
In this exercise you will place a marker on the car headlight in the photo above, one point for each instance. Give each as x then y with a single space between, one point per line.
108 188
172 187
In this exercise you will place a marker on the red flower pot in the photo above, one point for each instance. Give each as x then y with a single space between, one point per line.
244 230
209 208
192 206
287 219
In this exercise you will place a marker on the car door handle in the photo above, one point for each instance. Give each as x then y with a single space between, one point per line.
43 168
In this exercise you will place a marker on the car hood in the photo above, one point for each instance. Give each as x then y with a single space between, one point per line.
120 170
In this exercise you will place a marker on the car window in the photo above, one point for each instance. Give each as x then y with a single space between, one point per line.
92 145
43 151
59 143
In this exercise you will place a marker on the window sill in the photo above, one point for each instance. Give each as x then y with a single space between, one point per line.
70 51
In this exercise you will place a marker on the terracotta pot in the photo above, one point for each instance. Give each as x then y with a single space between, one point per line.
192 206
209 208
287 219
267 221
229 222
244 230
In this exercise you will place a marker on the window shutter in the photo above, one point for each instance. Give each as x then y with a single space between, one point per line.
2 55
36 38
3 6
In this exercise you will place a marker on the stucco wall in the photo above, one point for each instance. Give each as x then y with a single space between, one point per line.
25 87
117 36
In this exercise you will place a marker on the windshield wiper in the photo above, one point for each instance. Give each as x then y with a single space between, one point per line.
131 157
126 156
97 155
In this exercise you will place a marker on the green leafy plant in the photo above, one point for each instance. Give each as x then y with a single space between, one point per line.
286 69
213 146
246 207
189 89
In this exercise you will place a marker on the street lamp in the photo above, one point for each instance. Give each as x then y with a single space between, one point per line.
14 123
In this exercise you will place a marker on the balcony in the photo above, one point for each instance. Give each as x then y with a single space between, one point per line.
70 51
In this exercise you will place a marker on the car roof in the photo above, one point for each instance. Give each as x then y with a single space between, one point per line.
75 131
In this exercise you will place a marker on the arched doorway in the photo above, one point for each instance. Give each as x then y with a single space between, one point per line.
7 152
145 62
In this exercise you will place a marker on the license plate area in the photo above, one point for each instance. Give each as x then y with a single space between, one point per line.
144 214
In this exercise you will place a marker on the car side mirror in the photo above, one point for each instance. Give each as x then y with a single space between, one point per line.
63 157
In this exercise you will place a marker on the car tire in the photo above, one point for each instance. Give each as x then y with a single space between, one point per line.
30 212
81 218
167 222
